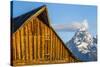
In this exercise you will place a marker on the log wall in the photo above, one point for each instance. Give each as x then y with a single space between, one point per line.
36 43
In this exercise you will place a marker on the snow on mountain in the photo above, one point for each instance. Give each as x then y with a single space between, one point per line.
83 39
85 45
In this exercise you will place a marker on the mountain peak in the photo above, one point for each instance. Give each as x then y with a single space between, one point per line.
84 45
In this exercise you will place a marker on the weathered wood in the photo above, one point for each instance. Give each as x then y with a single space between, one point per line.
18 45
14 47
22 44
27 42
30 41
36 43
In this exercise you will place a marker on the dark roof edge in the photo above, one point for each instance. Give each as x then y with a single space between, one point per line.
23 18
31 11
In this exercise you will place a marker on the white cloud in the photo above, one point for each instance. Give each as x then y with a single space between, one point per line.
72 26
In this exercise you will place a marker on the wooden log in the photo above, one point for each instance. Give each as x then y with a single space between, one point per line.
22 43
14 47
18 45
27 43
30 41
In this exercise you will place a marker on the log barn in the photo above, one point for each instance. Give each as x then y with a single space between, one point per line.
34 41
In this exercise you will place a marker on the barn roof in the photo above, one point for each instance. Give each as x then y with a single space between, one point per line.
18 21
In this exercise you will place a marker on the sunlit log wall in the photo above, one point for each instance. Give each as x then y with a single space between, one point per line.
36 43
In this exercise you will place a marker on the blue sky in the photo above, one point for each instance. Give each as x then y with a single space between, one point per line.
62 14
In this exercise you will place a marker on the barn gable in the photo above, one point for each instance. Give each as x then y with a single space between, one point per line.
38 22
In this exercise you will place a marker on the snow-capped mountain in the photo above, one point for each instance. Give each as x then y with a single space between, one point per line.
83 45
83 40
